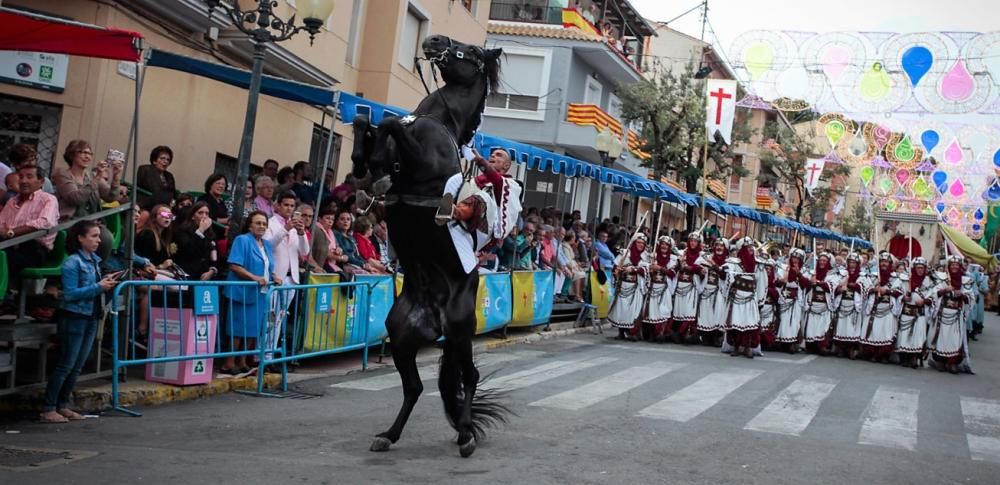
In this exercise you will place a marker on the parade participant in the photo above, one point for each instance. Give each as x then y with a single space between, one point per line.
979 286
882 308
819 305
659 299
949 344
685 310
629 274
849 304
791 302
713 305
747 287
769 307
918 290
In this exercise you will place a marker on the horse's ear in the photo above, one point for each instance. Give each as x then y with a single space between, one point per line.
493 54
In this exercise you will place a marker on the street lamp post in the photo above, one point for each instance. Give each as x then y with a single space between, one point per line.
610 148
263 27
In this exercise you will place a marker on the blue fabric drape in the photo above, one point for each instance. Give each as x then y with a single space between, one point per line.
271 86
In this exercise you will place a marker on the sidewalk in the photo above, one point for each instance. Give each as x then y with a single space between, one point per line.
95 395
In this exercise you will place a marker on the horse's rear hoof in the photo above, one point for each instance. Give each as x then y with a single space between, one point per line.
468 448
381 444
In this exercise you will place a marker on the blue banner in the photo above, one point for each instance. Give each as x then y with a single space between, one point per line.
381 301
544 281
499 295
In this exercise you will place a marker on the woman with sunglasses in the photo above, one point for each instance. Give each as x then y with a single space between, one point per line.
154 241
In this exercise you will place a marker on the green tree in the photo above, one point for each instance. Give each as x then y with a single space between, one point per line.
671 109
857 222
784 161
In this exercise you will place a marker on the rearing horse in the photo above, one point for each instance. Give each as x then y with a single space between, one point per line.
420 153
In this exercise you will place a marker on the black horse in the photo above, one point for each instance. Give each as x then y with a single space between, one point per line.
419 153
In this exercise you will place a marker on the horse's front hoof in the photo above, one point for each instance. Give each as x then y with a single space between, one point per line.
468 448
380 444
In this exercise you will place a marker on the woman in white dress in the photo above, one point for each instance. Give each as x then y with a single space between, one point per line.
660 298
769 307
686 292
747 284
878 332
917 300
849 302
712 306
630 289
819 305
791 301
949 344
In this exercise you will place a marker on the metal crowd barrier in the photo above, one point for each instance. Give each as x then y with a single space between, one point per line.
184 333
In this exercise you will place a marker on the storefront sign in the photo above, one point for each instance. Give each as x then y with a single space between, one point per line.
34 69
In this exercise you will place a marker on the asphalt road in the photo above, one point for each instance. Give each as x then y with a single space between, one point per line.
590 410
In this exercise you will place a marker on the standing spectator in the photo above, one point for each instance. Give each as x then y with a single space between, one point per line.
30 211
249 201
264 187
215 186
605 258
344 191
23 153
355 263
80 192
286 235
250 259
362 237
325 252
270 169
195 240
572 269
80 307
303 186
286 180
156 180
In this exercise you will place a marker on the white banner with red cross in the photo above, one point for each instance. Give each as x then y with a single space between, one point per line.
720 108
813 171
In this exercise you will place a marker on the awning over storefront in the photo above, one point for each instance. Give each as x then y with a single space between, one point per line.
271 86
23 31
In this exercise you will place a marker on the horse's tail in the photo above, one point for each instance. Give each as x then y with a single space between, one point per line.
488 406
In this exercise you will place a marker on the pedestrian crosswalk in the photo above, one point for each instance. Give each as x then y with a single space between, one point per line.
760 398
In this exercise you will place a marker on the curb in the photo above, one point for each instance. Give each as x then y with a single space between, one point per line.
144 394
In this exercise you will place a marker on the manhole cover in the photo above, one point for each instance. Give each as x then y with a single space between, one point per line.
21 459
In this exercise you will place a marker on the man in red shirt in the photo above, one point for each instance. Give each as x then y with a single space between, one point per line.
505 190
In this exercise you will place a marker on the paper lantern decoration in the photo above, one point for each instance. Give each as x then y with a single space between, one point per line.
930 139
957 84
916 62
758 58
867 174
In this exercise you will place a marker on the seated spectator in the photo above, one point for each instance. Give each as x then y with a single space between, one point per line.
525 248
23 153
546 250
30 211
250 259
80 191
11 183
154 242
380 238
156 180
345 240
326 254
362 237
195 240
215 187
264 202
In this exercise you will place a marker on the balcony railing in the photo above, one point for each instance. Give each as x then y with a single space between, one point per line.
521 11
593 115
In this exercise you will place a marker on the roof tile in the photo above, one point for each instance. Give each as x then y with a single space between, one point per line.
540 30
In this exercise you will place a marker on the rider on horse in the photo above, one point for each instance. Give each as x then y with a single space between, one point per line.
493 210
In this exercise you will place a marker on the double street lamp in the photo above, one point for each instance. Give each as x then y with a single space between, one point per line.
263 27
610 148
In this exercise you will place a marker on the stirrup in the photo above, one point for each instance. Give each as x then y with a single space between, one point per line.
446 210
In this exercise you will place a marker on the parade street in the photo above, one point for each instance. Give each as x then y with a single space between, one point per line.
589 410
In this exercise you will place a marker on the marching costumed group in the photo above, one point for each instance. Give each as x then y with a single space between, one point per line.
735 296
